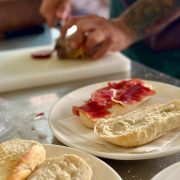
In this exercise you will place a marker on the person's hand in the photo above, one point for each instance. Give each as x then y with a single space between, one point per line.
55 9
98 35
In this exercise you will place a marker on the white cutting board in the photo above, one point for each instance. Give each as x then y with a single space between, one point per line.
18 70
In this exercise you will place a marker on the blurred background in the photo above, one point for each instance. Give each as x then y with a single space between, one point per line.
21 24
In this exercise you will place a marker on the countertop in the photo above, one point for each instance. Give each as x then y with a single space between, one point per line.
41 100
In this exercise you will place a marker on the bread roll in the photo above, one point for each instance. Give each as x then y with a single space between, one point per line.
141 126
134 93
65 167
64 50
18 158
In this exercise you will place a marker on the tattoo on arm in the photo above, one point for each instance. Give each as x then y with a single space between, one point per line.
148 16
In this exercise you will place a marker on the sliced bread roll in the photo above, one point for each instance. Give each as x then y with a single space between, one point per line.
141 126
65 167
115 110
113 100
18 158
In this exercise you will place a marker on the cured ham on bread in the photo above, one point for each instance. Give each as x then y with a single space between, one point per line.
115 99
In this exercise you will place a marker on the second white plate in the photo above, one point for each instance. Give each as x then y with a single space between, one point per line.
170 173
68 129
100 169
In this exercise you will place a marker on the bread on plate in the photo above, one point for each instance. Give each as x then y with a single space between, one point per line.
115 99
140 126
64 167
18 158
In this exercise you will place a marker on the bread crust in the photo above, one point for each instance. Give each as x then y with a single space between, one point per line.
18 158
158 121
65 167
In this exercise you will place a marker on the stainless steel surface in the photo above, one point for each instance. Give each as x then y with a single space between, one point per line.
37 102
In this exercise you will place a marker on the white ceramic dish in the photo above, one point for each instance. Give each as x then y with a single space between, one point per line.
68 129
170 173
100 169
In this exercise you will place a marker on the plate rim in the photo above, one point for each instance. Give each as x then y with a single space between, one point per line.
115 156
85 154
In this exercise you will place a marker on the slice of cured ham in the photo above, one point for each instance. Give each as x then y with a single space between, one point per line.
42 54
116 97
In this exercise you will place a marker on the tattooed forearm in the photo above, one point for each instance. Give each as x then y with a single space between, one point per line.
148 16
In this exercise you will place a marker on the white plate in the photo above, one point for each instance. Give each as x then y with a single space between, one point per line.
68 129
100 169
170 173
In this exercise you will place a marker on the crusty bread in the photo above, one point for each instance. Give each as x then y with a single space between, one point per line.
64 167
116 110
141 126
18 158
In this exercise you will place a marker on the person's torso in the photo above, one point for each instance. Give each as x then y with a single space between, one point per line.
166 61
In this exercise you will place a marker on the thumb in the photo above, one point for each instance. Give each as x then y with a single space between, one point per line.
63 10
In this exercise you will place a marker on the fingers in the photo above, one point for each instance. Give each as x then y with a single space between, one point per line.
67 25
97 43
52 9
63 10
73 21
47 9
50 20
92 31
79 37
94 38
102 49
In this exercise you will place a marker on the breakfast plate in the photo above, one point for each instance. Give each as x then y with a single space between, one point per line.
170 173
69 130
100 169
